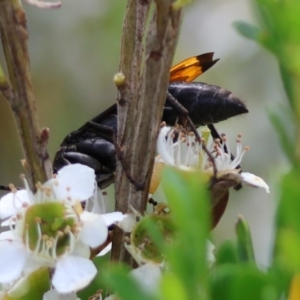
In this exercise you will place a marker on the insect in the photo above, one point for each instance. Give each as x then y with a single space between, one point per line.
92 144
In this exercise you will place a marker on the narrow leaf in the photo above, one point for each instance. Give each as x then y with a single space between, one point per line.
244 245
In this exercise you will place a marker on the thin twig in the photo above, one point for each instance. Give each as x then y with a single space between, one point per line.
20 95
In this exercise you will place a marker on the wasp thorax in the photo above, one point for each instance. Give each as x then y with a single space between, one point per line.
142 241
50 229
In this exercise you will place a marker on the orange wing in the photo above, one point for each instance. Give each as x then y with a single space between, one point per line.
192 67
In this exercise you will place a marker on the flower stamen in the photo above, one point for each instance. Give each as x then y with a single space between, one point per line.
39 237
59 234
27 238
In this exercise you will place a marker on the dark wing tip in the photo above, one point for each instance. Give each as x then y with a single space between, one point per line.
206 60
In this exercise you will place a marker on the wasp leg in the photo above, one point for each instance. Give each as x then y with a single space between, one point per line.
8 188
215 134
86 146
185 113
152 201
107 133
104 175
138 185
103 131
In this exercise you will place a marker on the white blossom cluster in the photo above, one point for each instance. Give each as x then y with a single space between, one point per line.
50 229
188 155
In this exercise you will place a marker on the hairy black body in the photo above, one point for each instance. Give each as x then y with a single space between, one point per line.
92 144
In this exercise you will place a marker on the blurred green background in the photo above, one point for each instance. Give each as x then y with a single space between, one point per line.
75 53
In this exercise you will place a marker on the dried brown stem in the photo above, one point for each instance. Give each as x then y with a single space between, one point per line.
20 95
141 102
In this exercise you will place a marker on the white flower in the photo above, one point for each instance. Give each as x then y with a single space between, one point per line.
129 221
224 163
187 154
54 295
52 230
23 288
210 253
72 184
184 153
148 277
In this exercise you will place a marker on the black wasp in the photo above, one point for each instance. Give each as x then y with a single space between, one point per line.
92 144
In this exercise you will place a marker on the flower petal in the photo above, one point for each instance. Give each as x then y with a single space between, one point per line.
105 250
12 260
156 175
55 295
73 181
161 146
210 253
99 202
94 229
73 273
148 276
82 250
7 235
11 202
254 181
128 222
8 222
113 217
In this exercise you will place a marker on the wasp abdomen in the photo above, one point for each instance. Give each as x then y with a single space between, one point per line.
207 104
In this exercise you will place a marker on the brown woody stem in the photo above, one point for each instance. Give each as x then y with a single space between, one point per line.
141 101
19 92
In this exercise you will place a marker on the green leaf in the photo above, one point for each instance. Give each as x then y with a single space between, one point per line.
226 253
247 30
188 198
287 144
151 234
288 246
236 282
280 24
172 287
281 276
289 205
288 226
244 241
